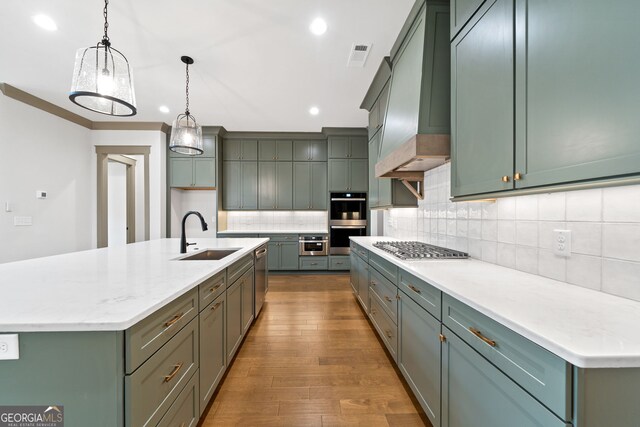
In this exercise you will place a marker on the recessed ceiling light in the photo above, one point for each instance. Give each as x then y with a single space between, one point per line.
163 109
314 111
44 22
318 26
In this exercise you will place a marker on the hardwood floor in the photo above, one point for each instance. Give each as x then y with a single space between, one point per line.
312 359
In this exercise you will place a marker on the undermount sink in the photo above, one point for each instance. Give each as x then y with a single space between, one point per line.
210 255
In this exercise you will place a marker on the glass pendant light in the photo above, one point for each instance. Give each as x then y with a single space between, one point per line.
102 78
186 134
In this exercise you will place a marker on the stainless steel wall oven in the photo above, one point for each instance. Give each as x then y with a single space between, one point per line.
348 217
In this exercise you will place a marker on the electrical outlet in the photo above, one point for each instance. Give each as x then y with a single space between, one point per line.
22 220
9 347
562 242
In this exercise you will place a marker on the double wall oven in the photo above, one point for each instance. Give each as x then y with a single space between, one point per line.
348 217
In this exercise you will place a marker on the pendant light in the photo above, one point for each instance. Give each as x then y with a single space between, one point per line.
102 78
186 134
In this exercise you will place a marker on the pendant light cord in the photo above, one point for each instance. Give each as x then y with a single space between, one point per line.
187 92
105 38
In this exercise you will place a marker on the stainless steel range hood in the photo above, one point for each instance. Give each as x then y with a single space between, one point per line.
416 133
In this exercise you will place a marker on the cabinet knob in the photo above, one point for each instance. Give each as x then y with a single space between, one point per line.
517 176
505 178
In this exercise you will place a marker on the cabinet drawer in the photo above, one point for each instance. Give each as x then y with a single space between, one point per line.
386 291
385 326
314 263
544 375
211 288
147 336
185 411
236 235
339 263
238 268
152 388
281 237
421 292
360 251
387 268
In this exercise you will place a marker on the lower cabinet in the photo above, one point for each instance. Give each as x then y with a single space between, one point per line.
363 281
283 255
354 261
234 318
419 354
185 411
248 293
314 263
476 393
213 355
339 262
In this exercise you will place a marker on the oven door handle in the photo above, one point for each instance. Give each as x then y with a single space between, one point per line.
313 241
345 199
349 226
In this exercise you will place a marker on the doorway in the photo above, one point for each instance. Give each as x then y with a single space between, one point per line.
118 194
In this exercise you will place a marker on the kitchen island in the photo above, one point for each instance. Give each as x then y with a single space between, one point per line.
469 335
116 335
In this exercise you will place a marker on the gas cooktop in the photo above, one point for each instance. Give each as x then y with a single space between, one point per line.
410 250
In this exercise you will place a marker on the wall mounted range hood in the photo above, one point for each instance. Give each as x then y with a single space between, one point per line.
416 133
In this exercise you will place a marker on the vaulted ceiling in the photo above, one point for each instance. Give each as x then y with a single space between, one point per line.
258 67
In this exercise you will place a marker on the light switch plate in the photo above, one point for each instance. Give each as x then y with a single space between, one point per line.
562 242
9 347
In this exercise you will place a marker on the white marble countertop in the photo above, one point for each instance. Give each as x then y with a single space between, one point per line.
266 231
587 328
107 289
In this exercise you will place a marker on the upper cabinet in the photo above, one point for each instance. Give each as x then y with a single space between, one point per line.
209 143
240 149
346 147
310 150
195 172
540 98
275 150
461 12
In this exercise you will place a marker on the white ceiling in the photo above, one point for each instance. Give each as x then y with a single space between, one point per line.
257 66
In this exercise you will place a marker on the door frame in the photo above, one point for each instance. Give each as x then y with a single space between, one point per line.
117 153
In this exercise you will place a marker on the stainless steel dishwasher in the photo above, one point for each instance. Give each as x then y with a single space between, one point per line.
262 277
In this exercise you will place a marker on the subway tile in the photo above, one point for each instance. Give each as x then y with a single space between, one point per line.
621 278
621 204
489 211
490 230
546 236
551 207
527 208
527 259
551 265
442 226
506 255
433 225
586 238
475 229
475 210
462 228
462 211
489 251
621 241
475 248
506 231
507 208
442 210
527 233
451 210
584 205
451 227
585 271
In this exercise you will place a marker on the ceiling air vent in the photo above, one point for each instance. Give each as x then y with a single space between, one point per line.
358 55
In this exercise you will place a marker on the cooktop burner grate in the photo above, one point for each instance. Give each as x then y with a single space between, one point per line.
411 250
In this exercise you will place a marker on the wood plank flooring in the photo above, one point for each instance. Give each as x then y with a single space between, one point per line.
312 359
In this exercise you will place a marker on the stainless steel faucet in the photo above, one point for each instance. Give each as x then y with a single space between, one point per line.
183 237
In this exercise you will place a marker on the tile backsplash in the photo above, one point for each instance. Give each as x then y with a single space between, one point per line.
518 232
277 220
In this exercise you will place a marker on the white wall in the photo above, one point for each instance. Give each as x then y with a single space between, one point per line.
117 204
39 151
517 232
203 201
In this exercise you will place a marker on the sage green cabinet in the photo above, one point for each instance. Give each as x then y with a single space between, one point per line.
476 393
283 256
419 354
346 147
275 185
354 262
240 185
386 192
234 325
192 172
313 150
213 350
363 285
248 294
209 146
482 91
310 186
275 150
348 175
461 11
240 149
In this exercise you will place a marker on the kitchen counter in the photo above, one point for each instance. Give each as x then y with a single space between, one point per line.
108 289
294 231
587 328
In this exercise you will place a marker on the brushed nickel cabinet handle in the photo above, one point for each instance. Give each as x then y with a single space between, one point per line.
173 320
215 306
414 289
176 369
478 334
